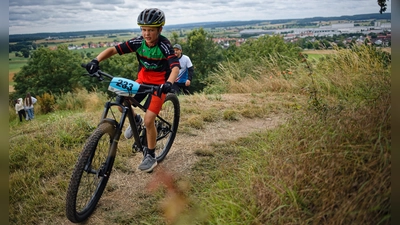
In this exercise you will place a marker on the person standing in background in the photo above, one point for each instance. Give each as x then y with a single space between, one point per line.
186 72
19 109
28 104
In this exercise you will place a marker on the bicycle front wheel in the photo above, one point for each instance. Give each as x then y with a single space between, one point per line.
167 123
89 177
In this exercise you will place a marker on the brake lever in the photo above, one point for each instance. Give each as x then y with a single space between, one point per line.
97 75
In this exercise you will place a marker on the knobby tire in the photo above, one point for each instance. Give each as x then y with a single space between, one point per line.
85 189
166 134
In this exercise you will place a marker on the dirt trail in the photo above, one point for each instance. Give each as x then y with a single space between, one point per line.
129 188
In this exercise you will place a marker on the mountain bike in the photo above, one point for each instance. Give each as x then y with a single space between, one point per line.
94 164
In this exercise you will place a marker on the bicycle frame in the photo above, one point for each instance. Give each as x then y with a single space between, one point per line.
126 112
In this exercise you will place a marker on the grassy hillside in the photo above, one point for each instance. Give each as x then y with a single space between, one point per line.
327 160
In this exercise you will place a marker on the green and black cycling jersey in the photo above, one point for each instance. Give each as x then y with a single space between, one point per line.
155 63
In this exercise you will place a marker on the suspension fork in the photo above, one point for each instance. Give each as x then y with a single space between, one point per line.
128 112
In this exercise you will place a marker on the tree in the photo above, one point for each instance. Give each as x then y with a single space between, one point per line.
204 54
122 66
175 38
373 35
263 47
49 71
119 66
382 4
340 44
25 52
316 45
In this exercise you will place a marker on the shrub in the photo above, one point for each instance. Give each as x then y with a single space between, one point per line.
46 102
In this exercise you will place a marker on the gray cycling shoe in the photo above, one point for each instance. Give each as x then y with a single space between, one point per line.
148 163
128 132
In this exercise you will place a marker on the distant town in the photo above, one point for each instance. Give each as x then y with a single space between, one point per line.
293 34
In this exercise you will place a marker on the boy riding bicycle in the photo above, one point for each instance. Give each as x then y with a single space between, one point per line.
158 65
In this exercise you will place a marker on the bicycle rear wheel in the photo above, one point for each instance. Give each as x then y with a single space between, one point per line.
167 123
89 177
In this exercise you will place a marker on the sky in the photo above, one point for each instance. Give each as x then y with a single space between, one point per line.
39 16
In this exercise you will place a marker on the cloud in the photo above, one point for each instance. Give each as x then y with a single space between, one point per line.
36 16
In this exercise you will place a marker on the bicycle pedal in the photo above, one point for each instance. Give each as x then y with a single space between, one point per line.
135 148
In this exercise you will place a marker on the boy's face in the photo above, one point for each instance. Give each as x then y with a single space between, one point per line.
151 34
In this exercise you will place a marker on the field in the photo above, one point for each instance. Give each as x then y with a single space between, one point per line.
14 66
316 54
88 38
93 51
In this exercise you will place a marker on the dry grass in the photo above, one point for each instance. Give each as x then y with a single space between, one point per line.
322 52
329 174
11 79
330 165
11 89
302 165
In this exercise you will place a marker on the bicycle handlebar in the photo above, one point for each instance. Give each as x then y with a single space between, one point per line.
98 74
145 88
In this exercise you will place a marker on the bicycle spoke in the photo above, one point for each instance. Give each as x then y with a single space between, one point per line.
167 124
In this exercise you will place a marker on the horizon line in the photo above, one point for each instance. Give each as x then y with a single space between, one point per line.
204 22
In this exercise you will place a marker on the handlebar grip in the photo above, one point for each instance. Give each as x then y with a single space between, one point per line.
159 91
83 65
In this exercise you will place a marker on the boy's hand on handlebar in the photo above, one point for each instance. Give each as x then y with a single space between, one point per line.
166 87
93 66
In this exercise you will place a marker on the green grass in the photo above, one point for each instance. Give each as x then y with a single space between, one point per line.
16 63
15 66
315 56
